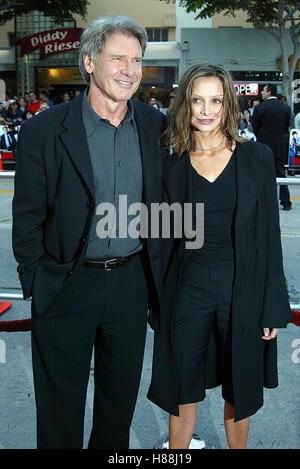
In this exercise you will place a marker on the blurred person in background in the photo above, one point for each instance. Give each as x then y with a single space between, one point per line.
246 121
66 96
43 107
34 104
271 123
253 102
45 97
13 115
28 115
23 105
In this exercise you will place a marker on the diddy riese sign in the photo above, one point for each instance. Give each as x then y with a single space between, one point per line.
51 42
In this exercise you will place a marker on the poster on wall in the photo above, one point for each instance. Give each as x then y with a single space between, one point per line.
294 151
245 133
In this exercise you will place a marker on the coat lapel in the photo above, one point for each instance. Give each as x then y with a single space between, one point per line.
151 166
176 178
249 178
74 139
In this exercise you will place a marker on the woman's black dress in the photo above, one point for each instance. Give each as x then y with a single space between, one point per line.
203 301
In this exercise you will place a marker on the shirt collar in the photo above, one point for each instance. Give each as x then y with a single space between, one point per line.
92 119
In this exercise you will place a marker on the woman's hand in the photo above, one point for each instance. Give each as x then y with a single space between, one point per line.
269 334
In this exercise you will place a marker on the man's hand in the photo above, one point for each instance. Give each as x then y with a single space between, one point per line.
269 334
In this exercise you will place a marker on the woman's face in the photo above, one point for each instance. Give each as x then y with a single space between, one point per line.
207 104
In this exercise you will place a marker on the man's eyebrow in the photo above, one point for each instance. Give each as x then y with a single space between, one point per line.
115 54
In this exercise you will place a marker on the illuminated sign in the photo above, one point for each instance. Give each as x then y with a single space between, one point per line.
51 42
246 89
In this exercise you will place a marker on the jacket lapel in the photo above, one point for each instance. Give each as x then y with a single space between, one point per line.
176 178
74 139
249 178
151 166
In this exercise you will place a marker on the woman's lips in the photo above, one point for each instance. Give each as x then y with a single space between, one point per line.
205 121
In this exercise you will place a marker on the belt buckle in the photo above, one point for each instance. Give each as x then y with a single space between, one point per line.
106 265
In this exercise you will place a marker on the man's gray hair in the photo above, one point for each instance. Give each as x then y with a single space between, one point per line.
97 31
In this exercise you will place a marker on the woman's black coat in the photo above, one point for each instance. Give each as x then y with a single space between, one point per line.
260 298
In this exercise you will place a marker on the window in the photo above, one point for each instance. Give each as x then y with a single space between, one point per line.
157 34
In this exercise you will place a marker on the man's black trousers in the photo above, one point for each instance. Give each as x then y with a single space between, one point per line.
106 311
284 193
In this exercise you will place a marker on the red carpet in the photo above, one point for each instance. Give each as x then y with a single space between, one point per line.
296 317
14 326
4 305
25 324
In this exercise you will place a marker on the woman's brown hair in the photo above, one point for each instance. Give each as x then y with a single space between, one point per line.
180 133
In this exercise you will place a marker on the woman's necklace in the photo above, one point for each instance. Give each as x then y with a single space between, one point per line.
213 148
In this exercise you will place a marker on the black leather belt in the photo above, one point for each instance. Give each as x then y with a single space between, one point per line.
110 264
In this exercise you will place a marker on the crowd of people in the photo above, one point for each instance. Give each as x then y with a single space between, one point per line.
15 111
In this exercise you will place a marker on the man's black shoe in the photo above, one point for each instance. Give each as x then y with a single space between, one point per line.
287 207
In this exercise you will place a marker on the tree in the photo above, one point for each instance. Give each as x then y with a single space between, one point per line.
275 17
59 10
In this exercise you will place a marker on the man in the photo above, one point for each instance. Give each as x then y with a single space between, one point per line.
253 103
34 104
14 115
45 97
270 122
89 290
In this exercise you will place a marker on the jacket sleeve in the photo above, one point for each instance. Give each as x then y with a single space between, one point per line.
256 120
29 207
276 308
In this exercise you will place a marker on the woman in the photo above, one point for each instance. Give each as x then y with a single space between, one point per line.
28 115
231 295
23 104
246 121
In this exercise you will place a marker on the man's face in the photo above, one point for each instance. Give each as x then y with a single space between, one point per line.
32 97
118 72
152 101
265 93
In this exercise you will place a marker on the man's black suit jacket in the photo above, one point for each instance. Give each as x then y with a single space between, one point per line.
270 122
54 199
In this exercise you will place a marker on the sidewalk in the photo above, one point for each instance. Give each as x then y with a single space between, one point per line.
276 425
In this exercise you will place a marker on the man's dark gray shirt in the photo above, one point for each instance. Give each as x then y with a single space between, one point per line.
117 169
